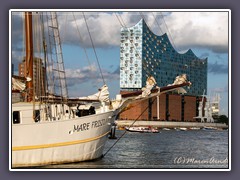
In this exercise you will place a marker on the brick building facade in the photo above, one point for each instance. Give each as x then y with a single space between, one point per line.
169 107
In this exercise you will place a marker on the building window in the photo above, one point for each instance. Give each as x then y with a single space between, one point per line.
16 117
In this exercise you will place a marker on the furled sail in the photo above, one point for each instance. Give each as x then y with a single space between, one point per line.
102 95
17 84
150 83
180 80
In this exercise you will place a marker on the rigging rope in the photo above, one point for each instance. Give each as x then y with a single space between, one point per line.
151 103
157 22
119 20
44 46
94 49
167 55
168 30
50 63
145 66
81 40
134 47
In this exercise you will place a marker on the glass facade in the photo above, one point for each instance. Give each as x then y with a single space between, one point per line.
143 54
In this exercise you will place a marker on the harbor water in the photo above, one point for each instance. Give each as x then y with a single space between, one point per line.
169 149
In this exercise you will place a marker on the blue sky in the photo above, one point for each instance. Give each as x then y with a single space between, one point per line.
206 33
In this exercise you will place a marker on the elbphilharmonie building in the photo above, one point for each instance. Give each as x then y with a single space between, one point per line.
143 54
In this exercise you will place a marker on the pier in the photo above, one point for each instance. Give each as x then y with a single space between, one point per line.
167 124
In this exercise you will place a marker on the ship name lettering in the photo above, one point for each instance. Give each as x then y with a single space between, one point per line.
99 123
81 127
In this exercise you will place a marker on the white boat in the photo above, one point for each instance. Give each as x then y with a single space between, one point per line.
209 128
56 129
194 128
58 141
142 129
183 129
166 129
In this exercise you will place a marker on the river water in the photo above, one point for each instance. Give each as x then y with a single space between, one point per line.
192 149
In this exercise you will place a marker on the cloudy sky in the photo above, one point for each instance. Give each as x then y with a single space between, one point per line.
206 33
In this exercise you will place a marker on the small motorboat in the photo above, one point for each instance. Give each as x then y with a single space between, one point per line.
166 129
142 129
182 129
209 128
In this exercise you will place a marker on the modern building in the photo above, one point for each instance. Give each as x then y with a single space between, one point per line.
39 75
143 53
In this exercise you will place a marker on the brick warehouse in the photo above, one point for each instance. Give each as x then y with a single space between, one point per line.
142 53
169 107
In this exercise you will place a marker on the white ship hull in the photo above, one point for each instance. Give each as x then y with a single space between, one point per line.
62 141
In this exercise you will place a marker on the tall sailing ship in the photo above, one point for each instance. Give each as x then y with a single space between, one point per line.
48 127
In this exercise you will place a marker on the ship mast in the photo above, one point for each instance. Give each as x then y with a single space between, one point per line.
29 55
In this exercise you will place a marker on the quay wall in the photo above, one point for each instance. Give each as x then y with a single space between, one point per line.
166 124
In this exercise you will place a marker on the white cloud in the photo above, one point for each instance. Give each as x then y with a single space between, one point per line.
89 74
199 29
188 29
104 29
